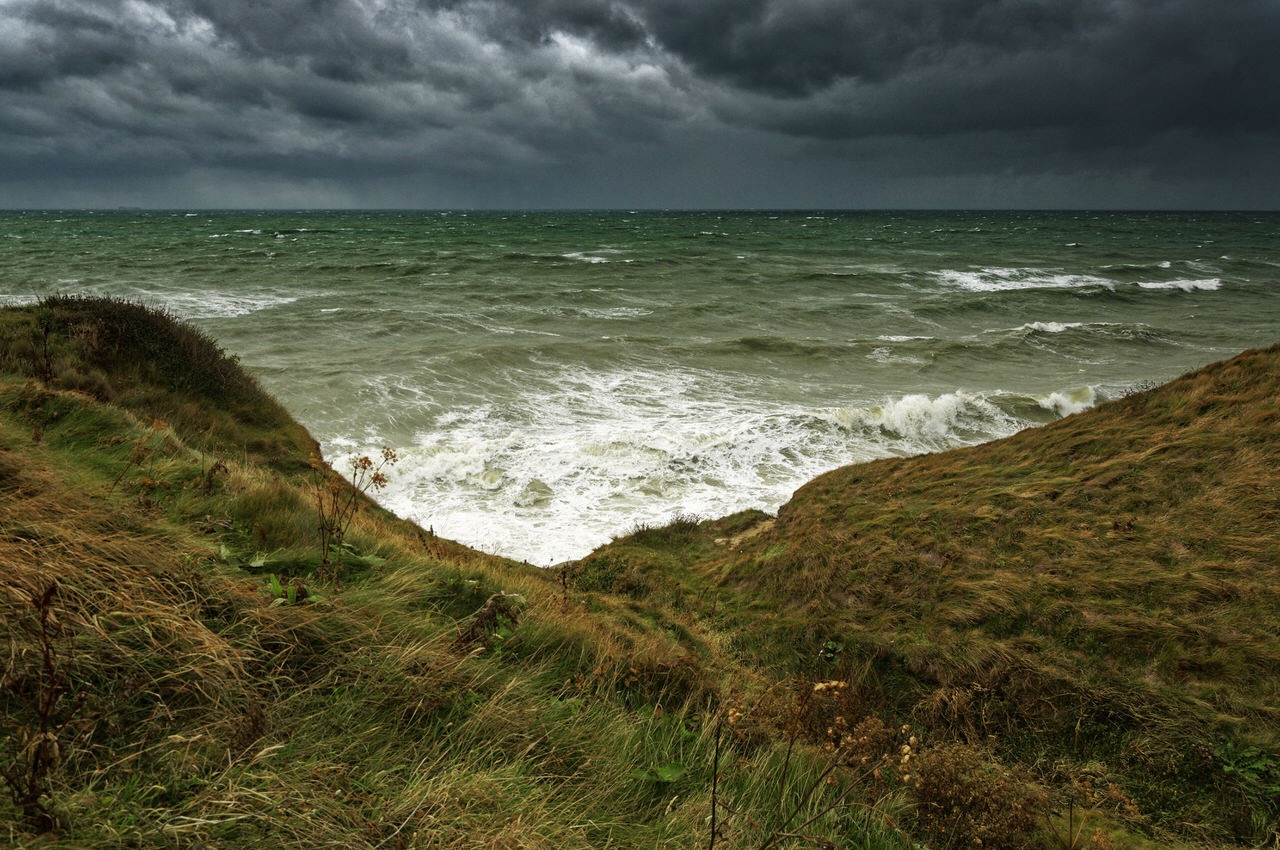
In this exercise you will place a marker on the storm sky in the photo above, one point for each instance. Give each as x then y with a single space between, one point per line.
640 103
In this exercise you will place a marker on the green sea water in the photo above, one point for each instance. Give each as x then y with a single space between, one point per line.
552 379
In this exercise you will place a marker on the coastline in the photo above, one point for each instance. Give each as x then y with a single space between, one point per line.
1092 600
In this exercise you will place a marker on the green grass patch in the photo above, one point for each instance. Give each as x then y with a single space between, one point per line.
1076 625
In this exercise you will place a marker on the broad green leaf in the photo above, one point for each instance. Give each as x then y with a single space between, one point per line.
664 774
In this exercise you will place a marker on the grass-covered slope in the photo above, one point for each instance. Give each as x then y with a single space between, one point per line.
1102 593
183 668
1073 626
147 362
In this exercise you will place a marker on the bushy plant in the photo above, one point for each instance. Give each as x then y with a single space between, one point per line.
39 693
966 799
680 531
338 502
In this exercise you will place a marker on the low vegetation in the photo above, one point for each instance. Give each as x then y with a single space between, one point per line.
1066 639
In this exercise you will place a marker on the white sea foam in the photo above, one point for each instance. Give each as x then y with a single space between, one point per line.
1009 279
923 423
614 312
884 354
1067 402
1050 327
215 305
563 471
1206 285
599 255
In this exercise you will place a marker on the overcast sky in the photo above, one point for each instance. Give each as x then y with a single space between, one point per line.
640 103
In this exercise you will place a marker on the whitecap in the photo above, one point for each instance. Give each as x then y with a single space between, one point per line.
928 422
1048 327
614 312
887 356
217 305
1067 402
585 257
1010 279
1206 285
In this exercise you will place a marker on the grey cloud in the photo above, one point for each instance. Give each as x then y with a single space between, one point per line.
381 73
526 93
849 68
795 47
611 24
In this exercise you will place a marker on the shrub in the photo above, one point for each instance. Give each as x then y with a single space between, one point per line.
338 502
965 799
681 531
40 688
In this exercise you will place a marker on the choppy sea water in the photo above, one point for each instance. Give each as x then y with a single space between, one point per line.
552 379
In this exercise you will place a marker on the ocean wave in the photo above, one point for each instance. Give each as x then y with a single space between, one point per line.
783 347
1035 344
612 312
1048 327
213 305
887 355
1061 333
926 422
1207 285
559 471
1138 268
596 255
584 257
1067 402
1012 279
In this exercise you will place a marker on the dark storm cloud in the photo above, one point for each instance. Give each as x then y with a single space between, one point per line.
838 68
795 48
491 94
371 81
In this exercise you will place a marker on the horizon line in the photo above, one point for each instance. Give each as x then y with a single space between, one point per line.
636 210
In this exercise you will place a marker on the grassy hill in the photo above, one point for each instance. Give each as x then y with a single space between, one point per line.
1068 638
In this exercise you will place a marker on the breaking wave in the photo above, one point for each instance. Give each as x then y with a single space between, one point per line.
1208 285
562 472
1010 279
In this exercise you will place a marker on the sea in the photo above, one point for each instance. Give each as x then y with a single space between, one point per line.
551 380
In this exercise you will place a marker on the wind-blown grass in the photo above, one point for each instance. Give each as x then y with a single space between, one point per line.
1079 620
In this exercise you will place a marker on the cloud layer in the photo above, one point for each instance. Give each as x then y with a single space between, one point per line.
639 102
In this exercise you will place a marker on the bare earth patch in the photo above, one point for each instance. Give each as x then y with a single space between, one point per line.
737 540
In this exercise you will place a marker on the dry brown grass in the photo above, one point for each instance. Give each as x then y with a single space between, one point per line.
1094 599
1105 587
